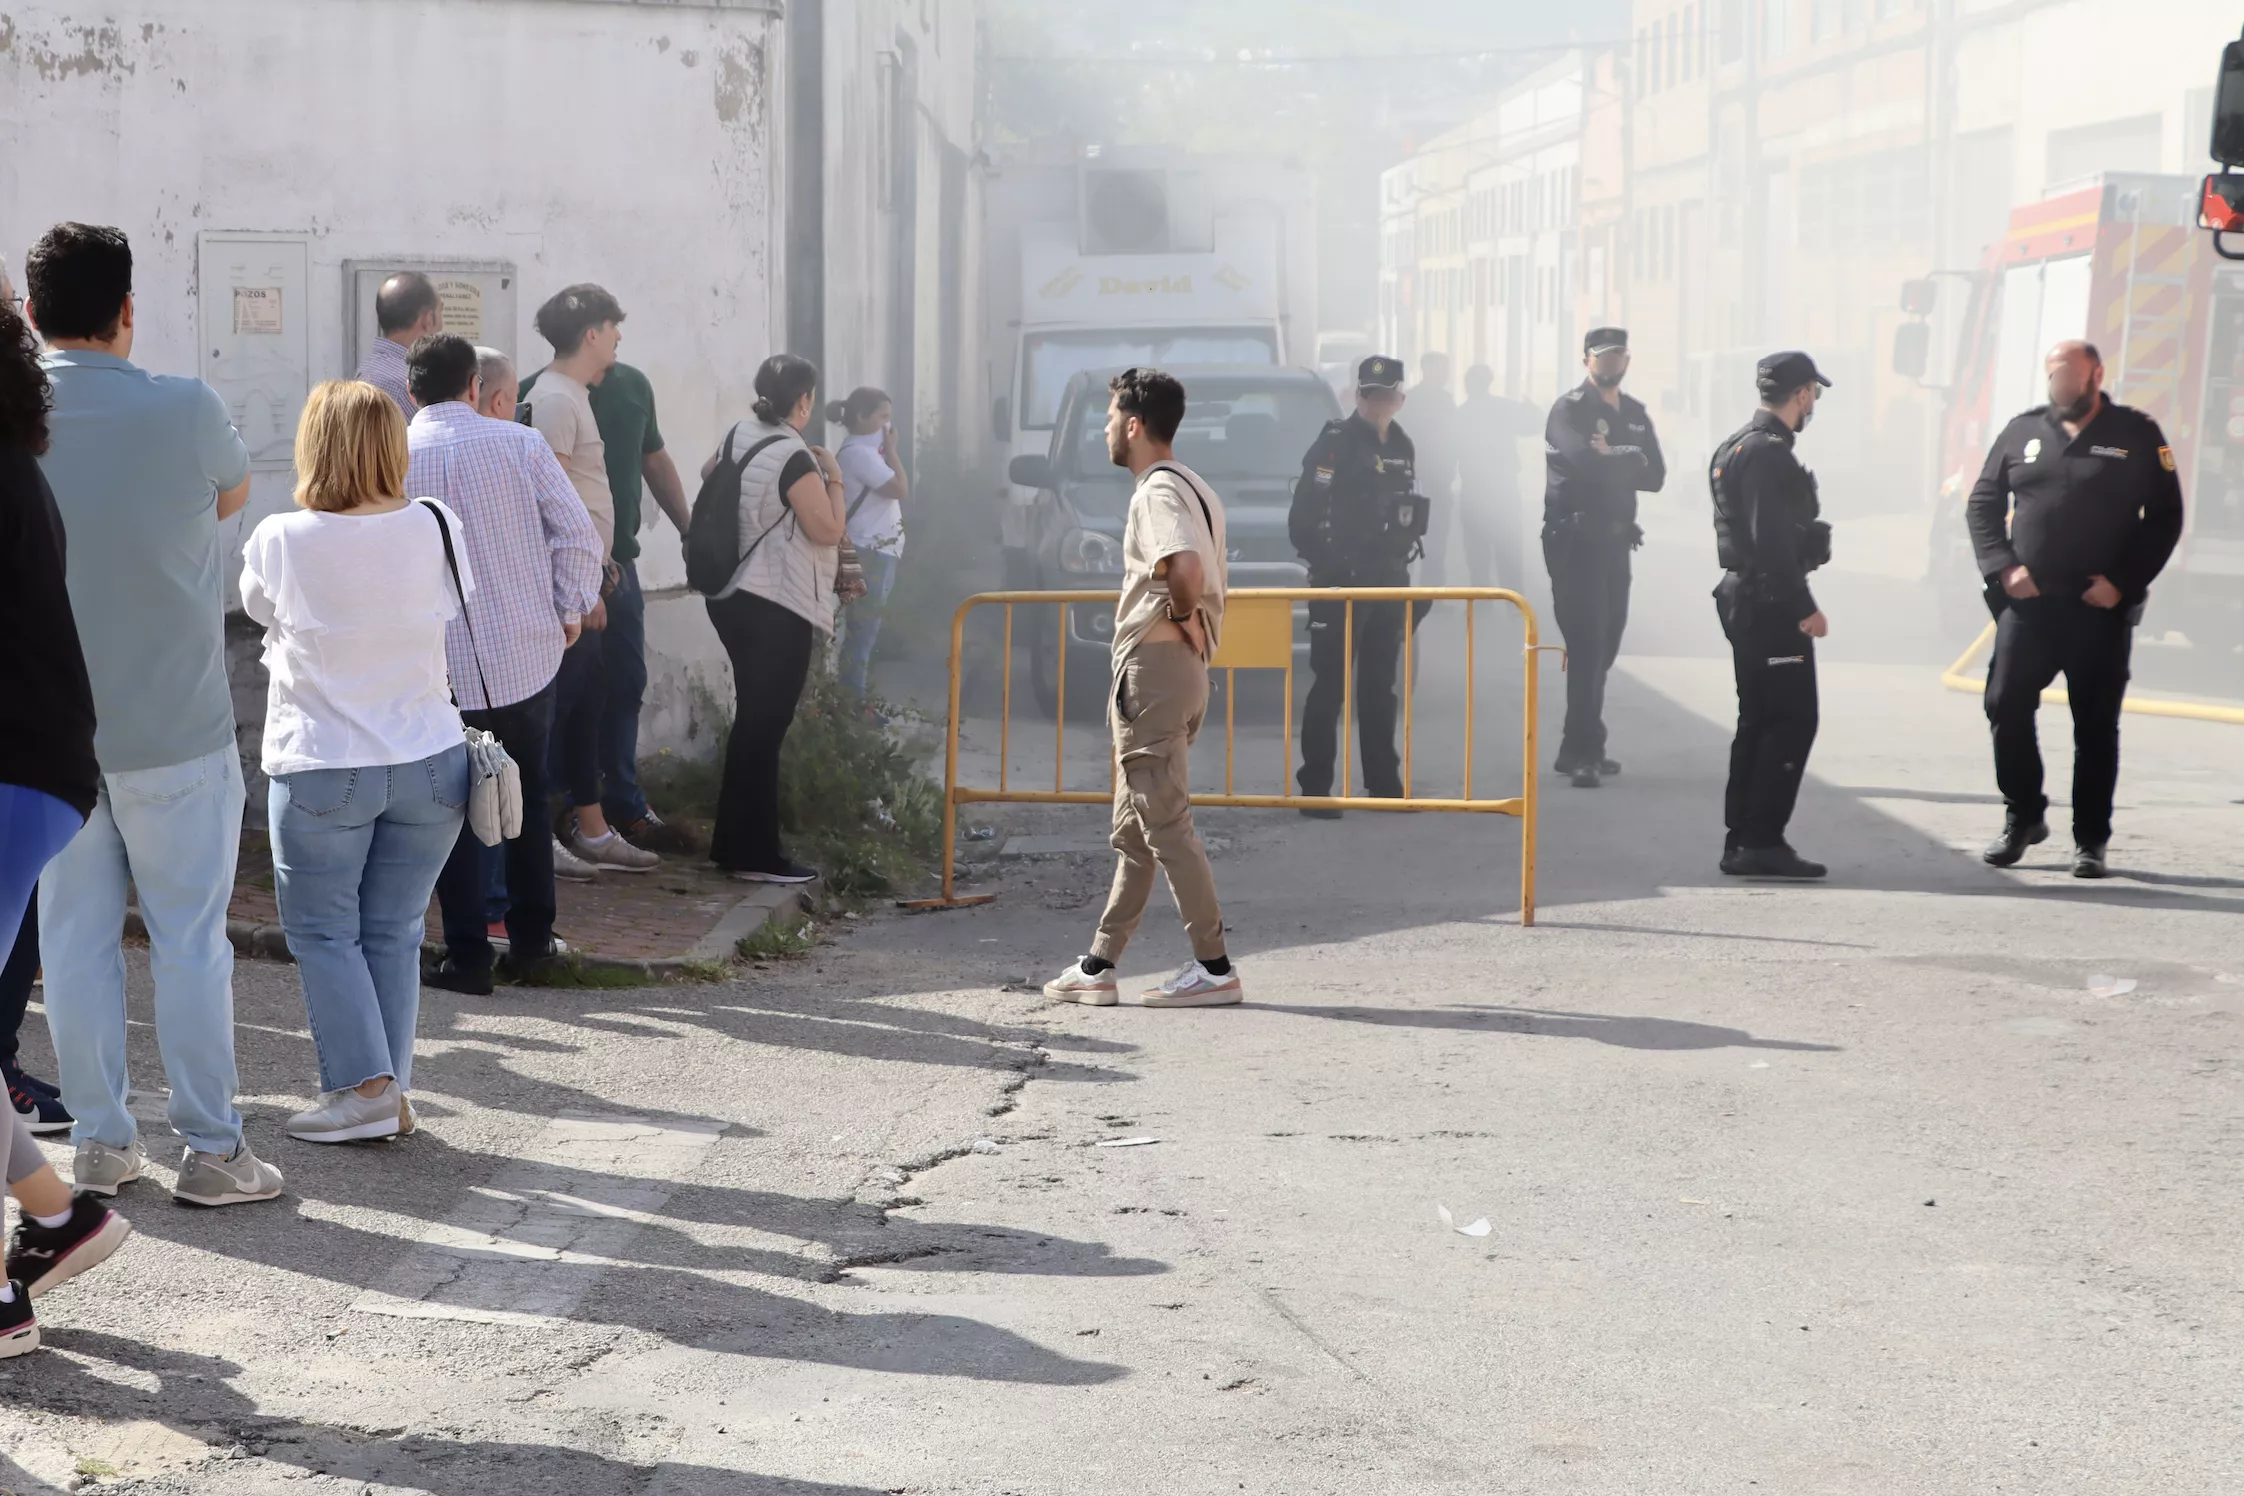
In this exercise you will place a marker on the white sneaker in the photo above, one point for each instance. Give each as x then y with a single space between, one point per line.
1075 985
612 853
568 865
1194 986
347 1117
98 1169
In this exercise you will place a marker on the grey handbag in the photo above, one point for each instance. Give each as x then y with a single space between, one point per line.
494 809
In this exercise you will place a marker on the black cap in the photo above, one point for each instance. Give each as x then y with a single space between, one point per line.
1605 340
1379 372
1782 373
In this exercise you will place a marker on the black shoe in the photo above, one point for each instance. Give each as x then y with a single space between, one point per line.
784 871
1321 813
39 1257
1730 856
2088 862
2017 836
1585 778
474 981
42 1111
19 1329
1779 861
550 969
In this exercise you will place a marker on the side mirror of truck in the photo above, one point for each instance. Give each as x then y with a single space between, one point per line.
1920 297
1912 349
1001 419
1031 471
2228 107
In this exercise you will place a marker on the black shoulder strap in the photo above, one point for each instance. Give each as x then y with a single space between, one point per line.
785 510
452 564
1205 513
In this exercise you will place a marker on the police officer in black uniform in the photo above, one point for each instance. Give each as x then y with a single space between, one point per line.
1601 452
2073 517
1769 534
1357 521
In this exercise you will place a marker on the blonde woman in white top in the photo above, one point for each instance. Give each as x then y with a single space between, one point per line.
362 742
780 599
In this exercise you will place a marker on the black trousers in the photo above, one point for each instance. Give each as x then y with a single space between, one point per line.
524 729
770 649
580 697
1775 667
15 979
1378 652
1589 595
2036 638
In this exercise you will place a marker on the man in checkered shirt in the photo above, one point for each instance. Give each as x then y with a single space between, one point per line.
535 563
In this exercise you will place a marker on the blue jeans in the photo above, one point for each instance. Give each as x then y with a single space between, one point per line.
174 834
356 853
860 621
624 647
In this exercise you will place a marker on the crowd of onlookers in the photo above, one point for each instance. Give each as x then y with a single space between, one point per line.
461 561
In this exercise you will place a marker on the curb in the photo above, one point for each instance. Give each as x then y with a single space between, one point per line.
269 943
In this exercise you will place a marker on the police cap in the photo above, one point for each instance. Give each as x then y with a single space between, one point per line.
1605 340
1379 372
1782 373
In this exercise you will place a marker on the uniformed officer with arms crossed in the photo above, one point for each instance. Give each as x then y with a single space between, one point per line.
1601 453
1769 535
1357 521
2074 515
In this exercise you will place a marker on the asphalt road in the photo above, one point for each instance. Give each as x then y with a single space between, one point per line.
1865 1188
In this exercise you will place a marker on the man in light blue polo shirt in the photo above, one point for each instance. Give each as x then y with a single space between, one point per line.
143 468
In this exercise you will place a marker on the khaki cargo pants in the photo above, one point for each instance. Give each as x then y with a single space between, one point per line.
1160 696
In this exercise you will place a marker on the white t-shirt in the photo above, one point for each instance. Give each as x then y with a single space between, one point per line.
879 522
354 608
561 411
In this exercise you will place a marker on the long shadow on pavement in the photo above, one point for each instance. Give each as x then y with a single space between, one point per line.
1603 1028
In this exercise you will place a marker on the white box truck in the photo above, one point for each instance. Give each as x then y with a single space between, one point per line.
1100 258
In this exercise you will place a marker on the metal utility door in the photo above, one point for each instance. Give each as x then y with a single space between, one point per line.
255 328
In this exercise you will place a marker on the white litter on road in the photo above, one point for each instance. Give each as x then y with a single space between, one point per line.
1477 1228
1124 1142
2104 986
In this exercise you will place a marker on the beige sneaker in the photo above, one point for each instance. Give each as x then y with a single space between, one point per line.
1194 986
345 1116
1075 985
611 853
99 1169
569 867
238 1179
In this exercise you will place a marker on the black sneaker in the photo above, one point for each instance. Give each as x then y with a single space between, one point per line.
1321 813
2017 836
785 871
1730 856
1779 861
1586 778
42 1111
548 970
473 981
2088 862
40 1257
19 1329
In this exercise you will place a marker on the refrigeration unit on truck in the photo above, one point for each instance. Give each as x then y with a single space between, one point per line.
2122 264
1134 256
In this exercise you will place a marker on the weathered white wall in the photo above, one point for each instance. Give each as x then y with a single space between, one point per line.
628 144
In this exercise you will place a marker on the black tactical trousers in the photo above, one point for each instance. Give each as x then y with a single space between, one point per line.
1378 651
2035 638
1589 595
1775 667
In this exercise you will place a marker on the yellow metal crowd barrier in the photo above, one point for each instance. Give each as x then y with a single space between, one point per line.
1258 634
1955 679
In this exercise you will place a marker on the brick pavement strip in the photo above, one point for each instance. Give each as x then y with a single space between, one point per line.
653 924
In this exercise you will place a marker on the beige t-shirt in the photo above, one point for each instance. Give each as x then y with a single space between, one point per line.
1167 518
561 410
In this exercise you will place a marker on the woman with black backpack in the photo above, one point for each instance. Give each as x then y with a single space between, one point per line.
791 520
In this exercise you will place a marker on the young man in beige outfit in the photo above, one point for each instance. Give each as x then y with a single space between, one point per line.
1165 631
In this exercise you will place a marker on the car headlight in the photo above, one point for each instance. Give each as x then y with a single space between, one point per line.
1086 552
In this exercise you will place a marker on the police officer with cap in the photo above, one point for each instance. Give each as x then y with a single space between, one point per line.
1357 521
2074 515
1601 452
1769 534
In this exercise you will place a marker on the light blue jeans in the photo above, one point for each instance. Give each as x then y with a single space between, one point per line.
355 858
174 833
861 620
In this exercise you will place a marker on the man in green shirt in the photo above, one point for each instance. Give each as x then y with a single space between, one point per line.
623 404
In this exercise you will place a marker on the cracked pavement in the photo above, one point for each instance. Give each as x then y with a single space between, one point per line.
1852 1189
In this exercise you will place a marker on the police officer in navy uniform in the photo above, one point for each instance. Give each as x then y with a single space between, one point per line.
2073 517
1601 452
1769 534
1358 521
